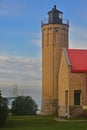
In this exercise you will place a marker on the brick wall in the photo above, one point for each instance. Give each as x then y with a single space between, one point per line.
63 86
70 82
54 38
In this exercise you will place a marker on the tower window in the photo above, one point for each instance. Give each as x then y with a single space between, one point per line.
49 29
63 28
56 29
60 15
66 97
77 94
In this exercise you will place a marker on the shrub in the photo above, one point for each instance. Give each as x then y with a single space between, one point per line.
24 106
3 110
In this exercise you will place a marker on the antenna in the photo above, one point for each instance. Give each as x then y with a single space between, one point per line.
22 92
14 90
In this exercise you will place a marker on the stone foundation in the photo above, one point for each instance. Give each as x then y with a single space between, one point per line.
75 110
49 107
63 111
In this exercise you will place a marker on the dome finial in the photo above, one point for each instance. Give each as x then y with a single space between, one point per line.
54 6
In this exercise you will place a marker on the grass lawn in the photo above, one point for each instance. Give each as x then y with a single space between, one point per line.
41 123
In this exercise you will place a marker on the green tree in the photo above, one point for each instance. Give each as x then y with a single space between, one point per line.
24 106
3 110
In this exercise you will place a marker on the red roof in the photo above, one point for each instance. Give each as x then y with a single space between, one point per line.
78 60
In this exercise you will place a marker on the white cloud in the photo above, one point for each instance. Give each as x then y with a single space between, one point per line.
24 71
36 42
20 66
30 37
78 37
36 38
10 7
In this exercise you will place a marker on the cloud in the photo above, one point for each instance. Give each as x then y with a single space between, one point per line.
35 42
17 68
78 37
30 37
10 7
35 38
23 71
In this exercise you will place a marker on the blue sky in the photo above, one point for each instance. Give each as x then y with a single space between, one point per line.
20 40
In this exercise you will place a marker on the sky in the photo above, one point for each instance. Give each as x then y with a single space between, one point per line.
20 41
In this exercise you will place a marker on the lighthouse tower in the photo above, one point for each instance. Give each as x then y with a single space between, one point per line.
54 38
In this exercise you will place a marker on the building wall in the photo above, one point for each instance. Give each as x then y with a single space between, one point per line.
63 87
85 92
77 82
70 82
54 38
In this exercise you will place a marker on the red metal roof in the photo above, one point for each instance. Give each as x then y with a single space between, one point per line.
78 60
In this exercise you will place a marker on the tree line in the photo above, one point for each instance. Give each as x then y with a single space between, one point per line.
22 105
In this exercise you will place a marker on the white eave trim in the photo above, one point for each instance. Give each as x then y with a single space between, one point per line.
67 57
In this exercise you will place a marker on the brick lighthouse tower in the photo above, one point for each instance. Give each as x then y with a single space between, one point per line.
54 38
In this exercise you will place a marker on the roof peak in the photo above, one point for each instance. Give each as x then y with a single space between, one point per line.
77 49
54 7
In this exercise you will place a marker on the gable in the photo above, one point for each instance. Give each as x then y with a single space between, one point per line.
64 70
